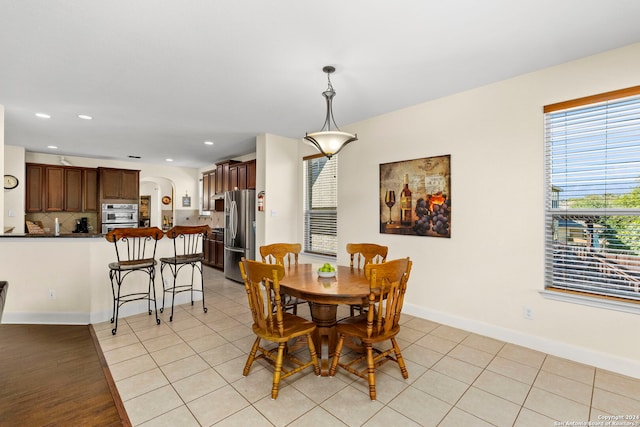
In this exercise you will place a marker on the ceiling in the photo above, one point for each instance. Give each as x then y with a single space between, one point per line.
161 77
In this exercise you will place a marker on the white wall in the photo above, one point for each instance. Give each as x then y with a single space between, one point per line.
14 199
492 266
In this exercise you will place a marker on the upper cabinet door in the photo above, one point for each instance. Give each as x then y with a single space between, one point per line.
251 174
130 188
73 190
54 189
110 183
35 188
90 190
119 184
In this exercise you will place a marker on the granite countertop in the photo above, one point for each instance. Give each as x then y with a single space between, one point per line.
50 235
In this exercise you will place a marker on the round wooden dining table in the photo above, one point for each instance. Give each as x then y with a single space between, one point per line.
349 286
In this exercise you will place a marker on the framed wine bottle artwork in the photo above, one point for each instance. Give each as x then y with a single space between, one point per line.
415 197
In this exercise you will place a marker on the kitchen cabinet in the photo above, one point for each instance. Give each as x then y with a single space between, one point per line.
234 175
34 188
223 182
243 175
89 190
208 189
214 250
119 184
251 174
72 186
54 189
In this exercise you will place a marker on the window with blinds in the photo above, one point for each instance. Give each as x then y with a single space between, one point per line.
321 205
592 153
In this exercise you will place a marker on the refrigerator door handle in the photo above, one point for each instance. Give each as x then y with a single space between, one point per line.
233 219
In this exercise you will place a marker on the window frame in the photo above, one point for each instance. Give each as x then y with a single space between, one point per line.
552 209
326 217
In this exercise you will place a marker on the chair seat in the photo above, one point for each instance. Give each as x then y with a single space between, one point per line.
183 259
357 327
132 265
294 326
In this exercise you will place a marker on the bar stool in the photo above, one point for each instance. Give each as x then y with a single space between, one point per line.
135 252
188 249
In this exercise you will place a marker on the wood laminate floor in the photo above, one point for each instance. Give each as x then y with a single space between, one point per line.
53 375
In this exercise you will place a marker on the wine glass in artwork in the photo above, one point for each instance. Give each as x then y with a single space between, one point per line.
390 200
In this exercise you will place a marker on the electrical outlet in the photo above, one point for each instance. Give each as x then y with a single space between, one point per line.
52 294
527 313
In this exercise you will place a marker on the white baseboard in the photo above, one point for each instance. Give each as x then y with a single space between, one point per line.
606 361
66 318
56 318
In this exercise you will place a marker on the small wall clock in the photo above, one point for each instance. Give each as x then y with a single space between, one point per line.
10 182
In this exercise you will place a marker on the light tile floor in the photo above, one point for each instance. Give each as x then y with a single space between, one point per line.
189 373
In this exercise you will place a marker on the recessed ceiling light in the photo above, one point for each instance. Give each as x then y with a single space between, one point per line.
53 147
84 117
169 160
208 143
43 115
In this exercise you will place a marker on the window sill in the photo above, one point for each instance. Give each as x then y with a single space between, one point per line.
318 258
608 304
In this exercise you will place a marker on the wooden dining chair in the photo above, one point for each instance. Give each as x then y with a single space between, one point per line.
135 252
271 323
387 286
283 254
361 254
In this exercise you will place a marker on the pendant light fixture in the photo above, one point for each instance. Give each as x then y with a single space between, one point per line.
329 141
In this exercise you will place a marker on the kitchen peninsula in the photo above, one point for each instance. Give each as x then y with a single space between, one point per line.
64 279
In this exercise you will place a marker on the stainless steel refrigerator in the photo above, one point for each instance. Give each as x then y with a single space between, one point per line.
239 230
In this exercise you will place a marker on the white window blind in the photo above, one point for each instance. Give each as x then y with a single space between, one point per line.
592 220
321 205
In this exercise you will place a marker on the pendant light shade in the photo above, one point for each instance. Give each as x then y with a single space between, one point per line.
329 141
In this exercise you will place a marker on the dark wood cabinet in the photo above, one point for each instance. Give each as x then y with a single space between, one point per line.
72 186
226 176
234 174
54 189
119 184
208 190
219 251
251 174
34 188
90 190
222 178
214 250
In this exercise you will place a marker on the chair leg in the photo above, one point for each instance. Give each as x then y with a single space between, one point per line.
204 307
164 291
113 292
371 372
173 292
152 285
117 305
278 370
314 356
252 357
336 355
403 367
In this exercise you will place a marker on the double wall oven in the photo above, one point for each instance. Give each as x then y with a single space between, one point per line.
119 215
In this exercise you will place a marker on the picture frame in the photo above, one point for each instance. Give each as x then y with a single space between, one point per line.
186 201
415 197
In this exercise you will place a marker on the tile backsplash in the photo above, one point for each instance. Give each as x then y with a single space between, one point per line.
67 220
187 217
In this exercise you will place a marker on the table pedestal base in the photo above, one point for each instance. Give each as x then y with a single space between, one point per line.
324 337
